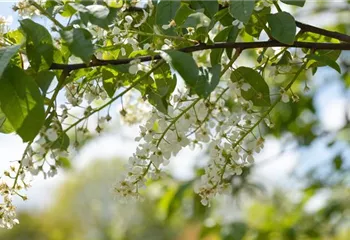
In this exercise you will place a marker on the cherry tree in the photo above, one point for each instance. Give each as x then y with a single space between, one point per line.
171 65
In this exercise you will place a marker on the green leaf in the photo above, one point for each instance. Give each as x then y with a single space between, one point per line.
299 3
323 60
166 11
68 10
175 202
39 45
165 81
15 36
98 11
215 54
255 25
285 59
242 9
232 36
283 27
207 81
64 162
5 125
183 64
158 101
21 102
235 231
259 92
210 7
79 43
62 143
182 13
99 15
44 79
6 54
109 77
338 162
223 16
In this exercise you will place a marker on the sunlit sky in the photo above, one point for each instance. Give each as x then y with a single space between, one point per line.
330 101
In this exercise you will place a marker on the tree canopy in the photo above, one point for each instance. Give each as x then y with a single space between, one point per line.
171 67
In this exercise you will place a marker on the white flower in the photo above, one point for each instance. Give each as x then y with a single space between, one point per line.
26 161
52 172
41 140
245 86
123 51
171 24
285 97
133 69
128 19
238 23
262 4
143 20
6 20
51 134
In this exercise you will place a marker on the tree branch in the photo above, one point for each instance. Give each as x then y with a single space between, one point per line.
303 26
202 46
308 28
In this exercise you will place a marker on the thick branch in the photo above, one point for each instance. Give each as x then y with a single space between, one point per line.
324 32
200 47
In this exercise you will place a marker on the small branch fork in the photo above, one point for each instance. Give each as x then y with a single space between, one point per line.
203 46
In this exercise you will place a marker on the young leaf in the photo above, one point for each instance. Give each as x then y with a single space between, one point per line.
5 125
207 81
62 143
322 61
165 81
21 102
215 55
210 7
184 64
182 13
158 101
283 27
79 43
44 79
299 3
166 11
39 45
259 19
98 15
109 76
6 54
258 92
242 9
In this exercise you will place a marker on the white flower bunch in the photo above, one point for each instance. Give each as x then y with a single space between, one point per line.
191 122
26 9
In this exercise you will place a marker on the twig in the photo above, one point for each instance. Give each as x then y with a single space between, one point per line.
202 46
324 32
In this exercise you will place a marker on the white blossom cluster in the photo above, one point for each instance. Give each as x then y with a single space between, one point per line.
134 109
26 9
75 94
40 157
193 122
189 122
7 209
5 22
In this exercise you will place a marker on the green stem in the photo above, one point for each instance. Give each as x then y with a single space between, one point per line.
118 96
48 15
163 36
261 119
279 9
